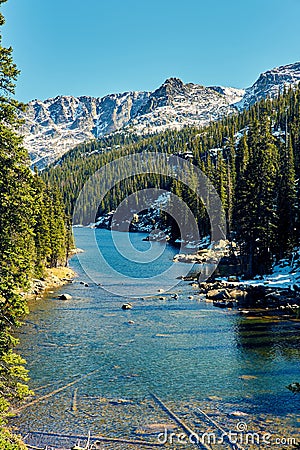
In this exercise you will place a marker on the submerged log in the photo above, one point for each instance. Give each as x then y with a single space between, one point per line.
180 422
74 400
56 391
99 439
225 434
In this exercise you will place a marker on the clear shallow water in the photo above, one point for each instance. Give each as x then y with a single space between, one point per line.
184 350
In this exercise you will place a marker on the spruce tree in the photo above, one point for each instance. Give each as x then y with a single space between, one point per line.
32 235
16 238
287 197
255 209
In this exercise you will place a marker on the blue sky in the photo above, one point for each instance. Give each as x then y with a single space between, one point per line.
96 47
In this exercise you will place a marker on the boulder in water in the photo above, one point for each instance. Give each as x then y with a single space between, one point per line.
127 306
218 294
65 297
238 294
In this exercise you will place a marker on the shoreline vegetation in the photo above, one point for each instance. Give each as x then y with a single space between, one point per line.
53 278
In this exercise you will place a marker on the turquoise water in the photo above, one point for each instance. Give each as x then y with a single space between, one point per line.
183 350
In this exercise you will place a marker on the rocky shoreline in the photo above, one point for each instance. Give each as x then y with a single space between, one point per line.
276 294
53 279
256 300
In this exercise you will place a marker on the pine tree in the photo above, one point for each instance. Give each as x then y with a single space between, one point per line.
287 197
255 209
242 155
56 219
41 228
28 238
16 237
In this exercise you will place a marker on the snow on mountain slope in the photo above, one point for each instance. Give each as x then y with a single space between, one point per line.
54 126
175 105
270 83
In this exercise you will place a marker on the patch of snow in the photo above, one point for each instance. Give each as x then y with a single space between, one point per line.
285 274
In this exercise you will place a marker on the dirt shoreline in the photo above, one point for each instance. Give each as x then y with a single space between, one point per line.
54 278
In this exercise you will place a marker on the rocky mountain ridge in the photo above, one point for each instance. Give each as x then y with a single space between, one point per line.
270 83
54 126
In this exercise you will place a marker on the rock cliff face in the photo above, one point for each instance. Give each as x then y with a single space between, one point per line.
175 105
54 126
270 83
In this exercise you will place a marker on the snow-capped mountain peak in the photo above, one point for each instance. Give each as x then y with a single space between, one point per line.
270 83
176 104
55 125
